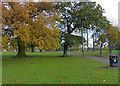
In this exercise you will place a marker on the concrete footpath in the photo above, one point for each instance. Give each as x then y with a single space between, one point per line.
94 58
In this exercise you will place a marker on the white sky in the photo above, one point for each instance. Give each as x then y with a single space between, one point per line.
111 9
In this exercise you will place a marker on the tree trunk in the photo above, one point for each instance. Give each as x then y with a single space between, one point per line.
93 43
109 44
65 49
87 40
21 51
82 43
32 48
82 39
40 50
83 54
110 50
101 49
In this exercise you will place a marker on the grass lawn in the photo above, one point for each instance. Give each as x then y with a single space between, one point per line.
105 54
49 68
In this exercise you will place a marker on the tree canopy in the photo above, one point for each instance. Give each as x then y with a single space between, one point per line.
79 16
30 23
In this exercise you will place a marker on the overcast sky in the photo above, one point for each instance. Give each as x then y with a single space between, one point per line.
111 9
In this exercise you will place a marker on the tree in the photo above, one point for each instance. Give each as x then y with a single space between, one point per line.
87 41
25 23
74 40
102 40
97 21
68 19
101 32
35 9
112 36
77 15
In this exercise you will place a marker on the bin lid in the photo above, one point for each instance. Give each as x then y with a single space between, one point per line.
113 56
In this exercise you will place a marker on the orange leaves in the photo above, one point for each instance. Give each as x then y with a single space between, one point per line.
15 13
8 43
102 38
48 33
23 32
56 17
16 24
30 25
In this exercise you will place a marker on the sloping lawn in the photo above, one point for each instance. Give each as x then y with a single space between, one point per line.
50 68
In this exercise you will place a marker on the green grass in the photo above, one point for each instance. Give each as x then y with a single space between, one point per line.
96 53
49 68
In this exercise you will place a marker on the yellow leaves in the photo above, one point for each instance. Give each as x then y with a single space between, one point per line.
7 48
16 25
9 21
40 43
23 32
14 19
4 39
106 48
102 37
112 33
40 47
43 31
8 43
56 17
49 34
35 9
16 13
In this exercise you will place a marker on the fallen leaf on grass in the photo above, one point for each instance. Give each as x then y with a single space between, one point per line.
61 82
10 82
103 80
67 81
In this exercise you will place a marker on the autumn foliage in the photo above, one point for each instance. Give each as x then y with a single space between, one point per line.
30 23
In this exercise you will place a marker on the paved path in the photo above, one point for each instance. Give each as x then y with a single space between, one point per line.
93 57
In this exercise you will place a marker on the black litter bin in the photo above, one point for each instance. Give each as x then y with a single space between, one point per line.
113 60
